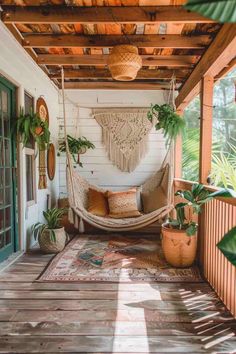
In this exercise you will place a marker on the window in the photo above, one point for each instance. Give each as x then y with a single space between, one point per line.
29 108
223 169
30 159
191 139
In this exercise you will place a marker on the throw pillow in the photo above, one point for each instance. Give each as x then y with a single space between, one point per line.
123 204
158 197
97 202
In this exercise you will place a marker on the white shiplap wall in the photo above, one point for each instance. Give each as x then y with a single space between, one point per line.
97 168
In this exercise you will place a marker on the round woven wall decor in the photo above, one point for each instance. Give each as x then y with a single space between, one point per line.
42 109
51 161
124 62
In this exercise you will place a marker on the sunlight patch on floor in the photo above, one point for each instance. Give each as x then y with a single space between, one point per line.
119 340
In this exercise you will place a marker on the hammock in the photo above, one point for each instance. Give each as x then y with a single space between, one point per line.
78 195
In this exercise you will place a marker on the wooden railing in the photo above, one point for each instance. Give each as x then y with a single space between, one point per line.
218 217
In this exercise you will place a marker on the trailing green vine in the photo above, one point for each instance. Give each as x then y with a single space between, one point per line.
168 120
76 147
30 125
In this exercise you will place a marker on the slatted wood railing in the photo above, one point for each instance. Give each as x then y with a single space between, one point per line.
218 217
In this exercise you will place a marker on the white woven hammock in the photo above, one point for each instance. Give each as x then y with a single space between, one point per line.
78 195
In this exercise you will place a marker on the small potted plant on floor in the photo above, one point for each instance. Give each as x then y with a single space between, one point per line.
179 236
77 147
51 236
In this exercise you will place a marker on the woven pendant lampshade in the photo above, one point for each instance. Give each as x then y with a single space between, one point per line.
124 62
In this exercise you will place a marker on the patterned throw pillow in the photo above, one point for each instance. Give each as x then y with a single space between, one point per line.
97 203
123 204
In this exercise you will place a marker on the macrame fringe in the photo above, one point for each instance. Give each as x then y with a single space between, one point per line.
125 135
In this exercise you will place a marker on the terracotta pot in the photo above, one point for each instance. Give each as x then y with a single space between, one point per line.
49 246
179 248
38 130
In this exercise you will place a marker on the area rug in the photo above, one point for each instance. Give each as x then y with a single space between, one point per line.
114 258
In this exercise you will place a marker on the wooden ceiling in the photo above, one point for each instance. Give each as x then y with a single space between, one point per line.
79 34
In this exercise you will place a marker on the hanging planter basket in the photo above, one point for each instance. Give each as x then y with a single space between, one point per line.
124 62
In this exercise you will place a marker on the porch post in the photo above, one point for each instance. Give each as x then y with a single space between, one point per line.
207 85
178 152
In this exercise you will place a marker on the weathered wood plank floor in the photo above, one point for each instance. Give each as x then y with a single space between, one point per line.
108 317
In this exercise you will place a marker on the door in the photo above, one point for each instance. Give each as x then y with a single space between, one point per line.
7 171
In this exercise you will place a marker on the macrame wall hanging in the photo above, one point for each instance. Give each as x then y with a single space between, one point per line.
125 135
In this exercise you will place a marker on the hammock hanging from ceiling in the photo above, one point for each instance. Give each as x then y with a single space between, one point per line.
78 187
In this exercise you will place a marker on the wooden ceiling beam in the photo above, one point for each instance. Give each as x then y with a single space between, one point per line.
219 54
106 85
105 74
107 41
101 60
103 14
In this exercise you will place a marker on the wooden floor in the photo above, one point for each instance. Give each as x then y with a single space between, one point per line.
108 317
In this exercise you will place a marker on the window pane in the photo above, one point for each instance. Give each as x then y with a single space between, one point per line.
8 237
1 152
7 217
29 108
1 240
7 196
1 219
7 152
7 177
29 177
1 177
1 198
191 140
224 133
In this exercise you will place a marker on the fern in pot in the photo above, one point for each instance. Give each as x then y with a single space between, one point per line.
31 126
167 119
77 147
50 235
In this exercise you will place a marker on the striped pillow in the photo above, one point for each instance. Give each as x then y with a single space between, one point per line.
123 204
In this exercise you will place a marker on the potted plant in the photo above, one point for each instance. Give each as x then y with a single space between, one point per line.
30 125
168 120
51 236
76 147
179 236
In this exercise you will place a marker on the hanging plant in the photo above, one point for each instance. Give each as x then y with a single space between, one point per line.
30 125
168 120
76 147
218 10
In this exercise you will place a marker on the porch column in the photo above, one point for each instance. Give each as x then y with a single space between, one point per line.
178 152
207 85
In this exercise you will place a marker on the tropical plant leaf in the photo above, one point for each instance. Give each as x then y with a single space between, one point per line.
192 229
224 193
218 10
228 245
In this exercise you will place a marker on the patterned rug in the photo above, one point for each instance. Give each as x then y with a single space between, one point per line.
114 258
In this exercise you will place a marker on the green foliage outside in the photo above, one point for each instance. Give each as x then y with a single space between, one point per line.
223 172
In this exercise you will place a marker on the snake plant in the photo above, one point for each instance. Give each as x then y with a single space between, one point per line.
168 120
30 125
53 217
76 146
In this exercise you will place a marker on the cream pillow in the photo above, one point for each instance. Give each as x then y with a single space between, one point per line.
123 204
158 197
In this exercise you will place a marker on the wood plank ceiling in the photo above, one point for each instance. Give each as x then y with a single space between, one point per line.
79 34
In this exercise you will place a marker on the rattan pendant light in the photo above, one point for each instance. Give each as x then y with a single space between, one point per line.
124 62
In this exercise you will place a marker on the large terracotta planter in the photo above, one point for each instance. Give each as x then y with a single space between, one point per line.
179 248
49 246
